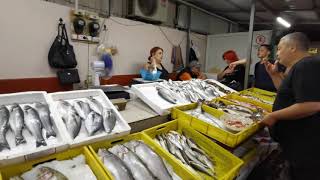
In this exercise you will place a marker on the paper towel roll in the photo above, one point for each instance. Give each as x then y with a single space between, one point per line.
97 64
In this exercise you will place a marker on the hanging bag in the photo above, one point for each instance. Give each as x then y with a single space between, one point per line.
61 54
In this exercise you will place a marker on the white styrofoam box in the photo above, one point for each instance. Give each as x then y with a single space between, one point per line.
121 128
149 94
27 151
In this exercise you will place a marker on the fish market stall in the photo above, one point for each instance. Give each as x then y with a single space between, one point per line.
161 97
29 128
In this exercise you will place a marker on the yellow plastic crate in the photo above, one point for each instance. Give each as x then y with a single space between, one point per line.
261 92
19 169
225 137
267 107
182 172
227 165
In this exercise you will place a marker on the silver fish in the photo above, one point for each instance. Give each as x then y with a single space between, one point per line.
109 120
70 118
93 123
45 118
115 165
16 122
202 169
4 118
133 162
97 105
47 173
151 159
34 125
166 95
83 109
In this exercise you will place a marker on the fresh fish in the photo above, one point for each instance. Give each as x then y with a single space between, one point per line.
83 109
110 120
16 122
115 165
34 125
93 123
97 105
133 162
166 95
200 168
45 118
162 142
70 117
4 119
151 159
47 173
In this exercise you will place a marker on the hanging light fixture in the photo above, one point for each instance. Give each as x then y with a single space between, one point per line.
283 22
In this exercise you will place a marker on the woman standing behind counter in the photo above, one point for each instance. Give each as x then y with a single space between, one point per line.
154 62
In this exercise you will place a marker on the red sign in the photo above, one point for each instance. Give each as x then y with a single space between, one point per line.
260 39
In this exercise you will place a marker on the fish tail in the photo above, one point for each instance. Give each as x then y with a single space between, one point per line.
4 145
20 140
41 142
50 133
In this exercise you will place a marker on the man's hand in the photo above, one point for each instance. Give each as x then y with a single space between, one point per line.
269 120
271 68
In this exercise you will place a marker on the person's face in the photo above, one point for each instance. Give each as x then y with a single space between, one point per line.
263 52
284 52
195 70
228 61
158 55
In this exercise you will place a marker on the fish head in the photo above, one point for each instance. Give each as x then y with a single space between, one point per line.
4 110
27 108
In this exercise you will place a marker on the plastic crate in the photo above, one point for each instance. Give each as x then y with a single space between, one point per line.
15 170
261 92
226 164
181 172
223 136
267 107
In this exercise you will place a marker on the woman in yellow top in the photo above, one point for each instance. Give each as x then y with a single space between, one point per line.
191 72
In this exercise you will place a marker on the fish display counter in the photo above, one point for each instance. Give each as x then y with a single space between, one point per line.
28 127
163 96
88 116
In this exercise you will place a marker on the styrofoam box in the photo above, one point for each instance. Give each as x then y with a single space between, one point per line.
121 128
27 151
149 94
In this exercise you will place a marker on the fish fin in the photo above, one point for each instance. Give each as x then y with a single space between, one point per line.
51 133
4 145
41 143
20 140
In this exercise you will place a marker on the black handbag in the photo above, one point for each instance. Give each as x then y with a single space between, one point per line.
68 76
61 54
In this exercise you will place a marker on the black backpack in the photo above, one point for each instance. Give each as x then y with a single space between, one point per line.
61 54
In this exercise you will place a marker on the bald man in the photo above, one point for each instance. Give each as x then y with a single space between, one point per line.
295 120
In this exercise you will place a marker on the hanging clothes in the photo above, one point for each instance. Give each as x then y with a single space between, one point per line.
176 59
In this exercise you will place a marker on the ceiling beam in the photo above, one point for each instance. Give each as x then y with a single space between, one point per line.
271 22
268 7
241 9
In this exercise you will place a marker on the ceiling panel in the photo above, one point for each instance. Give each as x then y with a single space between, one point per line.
239 16
215 4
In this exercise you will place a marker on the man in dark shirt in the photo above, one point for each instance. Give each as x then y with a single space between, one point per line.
262 79
295 120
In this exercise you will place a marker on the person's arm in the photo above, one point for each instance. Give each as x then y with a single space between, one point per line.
239 62
306 95
294 112
229 70
221 75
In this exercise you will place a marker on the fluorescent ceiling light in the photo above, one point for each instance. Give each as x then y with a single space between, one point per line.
283 22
